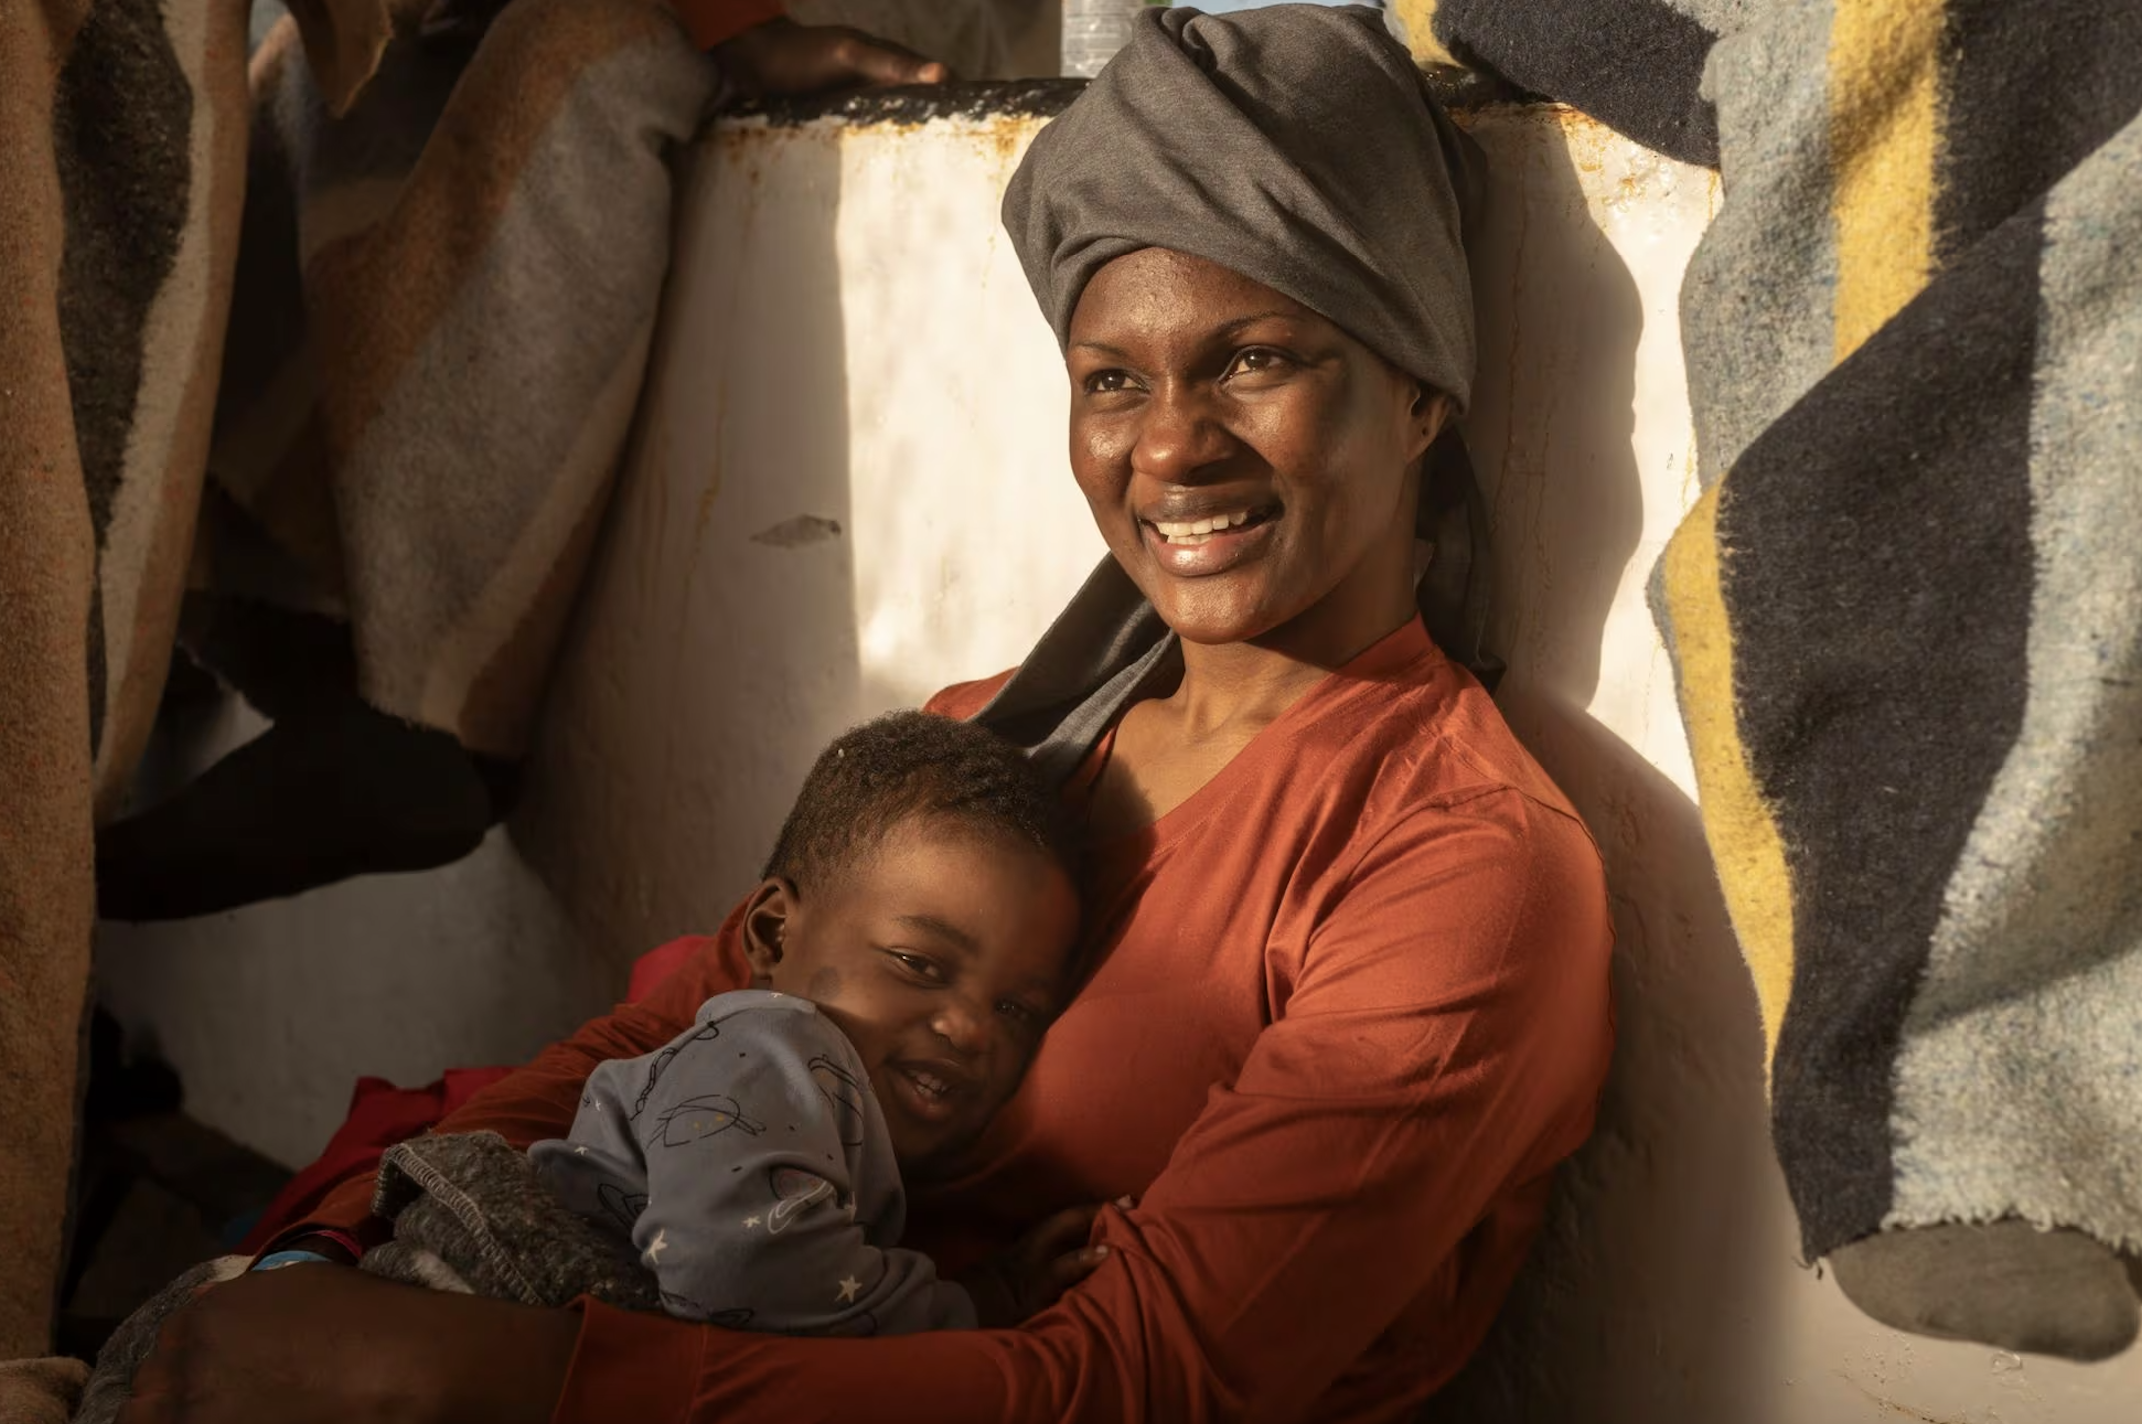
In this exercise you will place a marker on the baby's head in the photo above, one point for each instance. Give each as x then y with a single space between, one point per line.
923 896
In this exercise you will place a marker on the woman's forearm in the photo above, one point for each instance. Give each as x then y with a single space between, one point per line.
325 1344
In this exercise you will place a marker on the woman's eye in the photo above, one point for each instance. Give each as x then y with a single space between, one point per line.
1102 383
1024 1014
1257 360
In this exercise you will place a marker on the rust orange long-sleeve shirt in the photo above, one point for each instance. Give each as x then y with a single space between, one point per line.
1350 1010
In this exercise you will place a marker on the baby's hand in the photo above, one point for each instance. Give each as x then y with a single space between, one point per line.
1026 1279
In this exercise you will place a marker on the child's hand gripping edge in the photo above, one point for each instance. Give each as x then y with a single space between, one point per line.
1030 1275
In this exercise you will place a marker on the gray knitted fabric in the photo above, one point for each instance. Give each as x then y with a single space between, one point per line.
470 1214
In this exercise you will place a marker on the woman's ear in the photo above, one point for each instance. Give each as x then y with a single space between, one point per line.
1431 411
766 918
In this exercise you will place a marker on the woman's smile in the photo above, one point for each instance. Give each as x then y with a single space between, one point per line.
1197 545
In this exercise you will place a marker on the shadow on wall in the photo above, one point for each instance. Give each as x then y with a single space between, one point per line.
1646 1299
1559 318
1650 1295
690 592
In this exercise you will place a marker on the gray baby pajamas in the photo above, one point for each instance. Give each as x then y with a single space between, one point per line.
749 1163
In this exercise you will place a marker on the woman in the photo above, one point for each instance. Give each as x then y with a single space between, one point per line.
1350 1006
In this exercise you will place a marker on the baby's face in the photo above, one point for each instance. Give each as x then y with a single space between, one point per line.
943 957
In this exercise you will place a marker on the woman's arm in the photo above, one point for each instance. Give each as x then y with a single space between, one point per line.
1444 1045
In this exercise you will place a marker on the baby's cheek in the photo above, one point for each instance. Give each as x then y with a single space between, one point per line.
824 984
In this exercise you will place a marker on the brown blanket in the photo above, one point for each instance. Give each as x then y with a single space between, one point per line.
482 223
120 164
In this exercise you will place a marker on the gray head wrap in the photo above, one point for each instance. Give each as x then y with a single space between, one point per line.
1299 146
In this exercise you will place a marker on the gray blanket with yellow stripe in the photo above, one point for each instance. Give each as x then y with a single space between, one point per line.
1906 613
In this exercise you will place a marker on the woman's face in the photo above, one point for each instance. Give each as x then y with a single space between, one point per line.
1248 462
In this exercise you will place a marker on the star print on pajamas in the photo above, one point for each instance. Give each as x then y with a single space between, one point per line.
848 1287
656 1247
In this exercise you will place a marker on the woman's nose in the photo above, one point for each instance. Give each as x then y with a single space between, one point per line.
1180 435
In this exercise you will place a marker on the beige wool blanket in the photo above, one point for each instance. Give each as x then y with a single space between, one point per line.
445 301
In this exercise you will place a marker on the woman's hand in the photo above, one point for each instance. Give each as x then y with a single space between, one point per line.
1027 1278
329 1345
782 59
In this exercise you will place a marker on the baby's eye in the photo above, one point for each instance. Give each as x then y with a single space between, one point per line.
1024 1014
919 965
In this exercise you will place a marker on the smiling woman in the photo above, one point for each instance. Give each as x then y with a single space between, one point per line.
1346 1001
1246 459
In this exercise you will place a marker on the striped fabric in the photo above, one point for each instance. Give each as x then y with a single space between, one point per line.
122 152
414 267
413 272
114 260
1907 613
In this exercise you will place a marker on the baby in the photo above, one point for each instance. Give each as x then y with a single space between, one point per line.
910 942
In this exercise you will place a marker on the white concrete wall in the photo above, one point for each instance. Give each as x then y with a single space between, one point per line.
849 488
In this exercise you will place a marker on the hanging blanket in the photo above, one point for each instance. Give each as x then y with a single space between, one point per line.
1906 613
414 270
444 306
122 150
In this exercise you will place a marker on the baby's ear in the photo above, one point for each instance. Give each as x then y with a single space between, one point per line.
766 917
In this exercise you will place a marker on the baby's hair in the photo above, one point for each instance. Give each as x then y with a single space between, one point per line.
908 765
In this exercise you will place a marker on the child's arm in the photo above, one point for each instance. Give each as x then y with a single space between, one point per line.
751 1195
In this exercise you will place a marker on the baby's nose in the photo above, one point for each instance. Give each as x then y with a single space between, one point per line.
959 1025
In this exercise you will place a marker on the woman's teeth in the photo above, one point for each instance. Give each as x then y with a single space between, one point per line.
1198 531
931 1085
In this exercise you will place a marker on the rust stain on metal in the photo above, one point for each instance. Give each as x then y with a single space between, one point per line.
1586 137
795 533
1007 137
